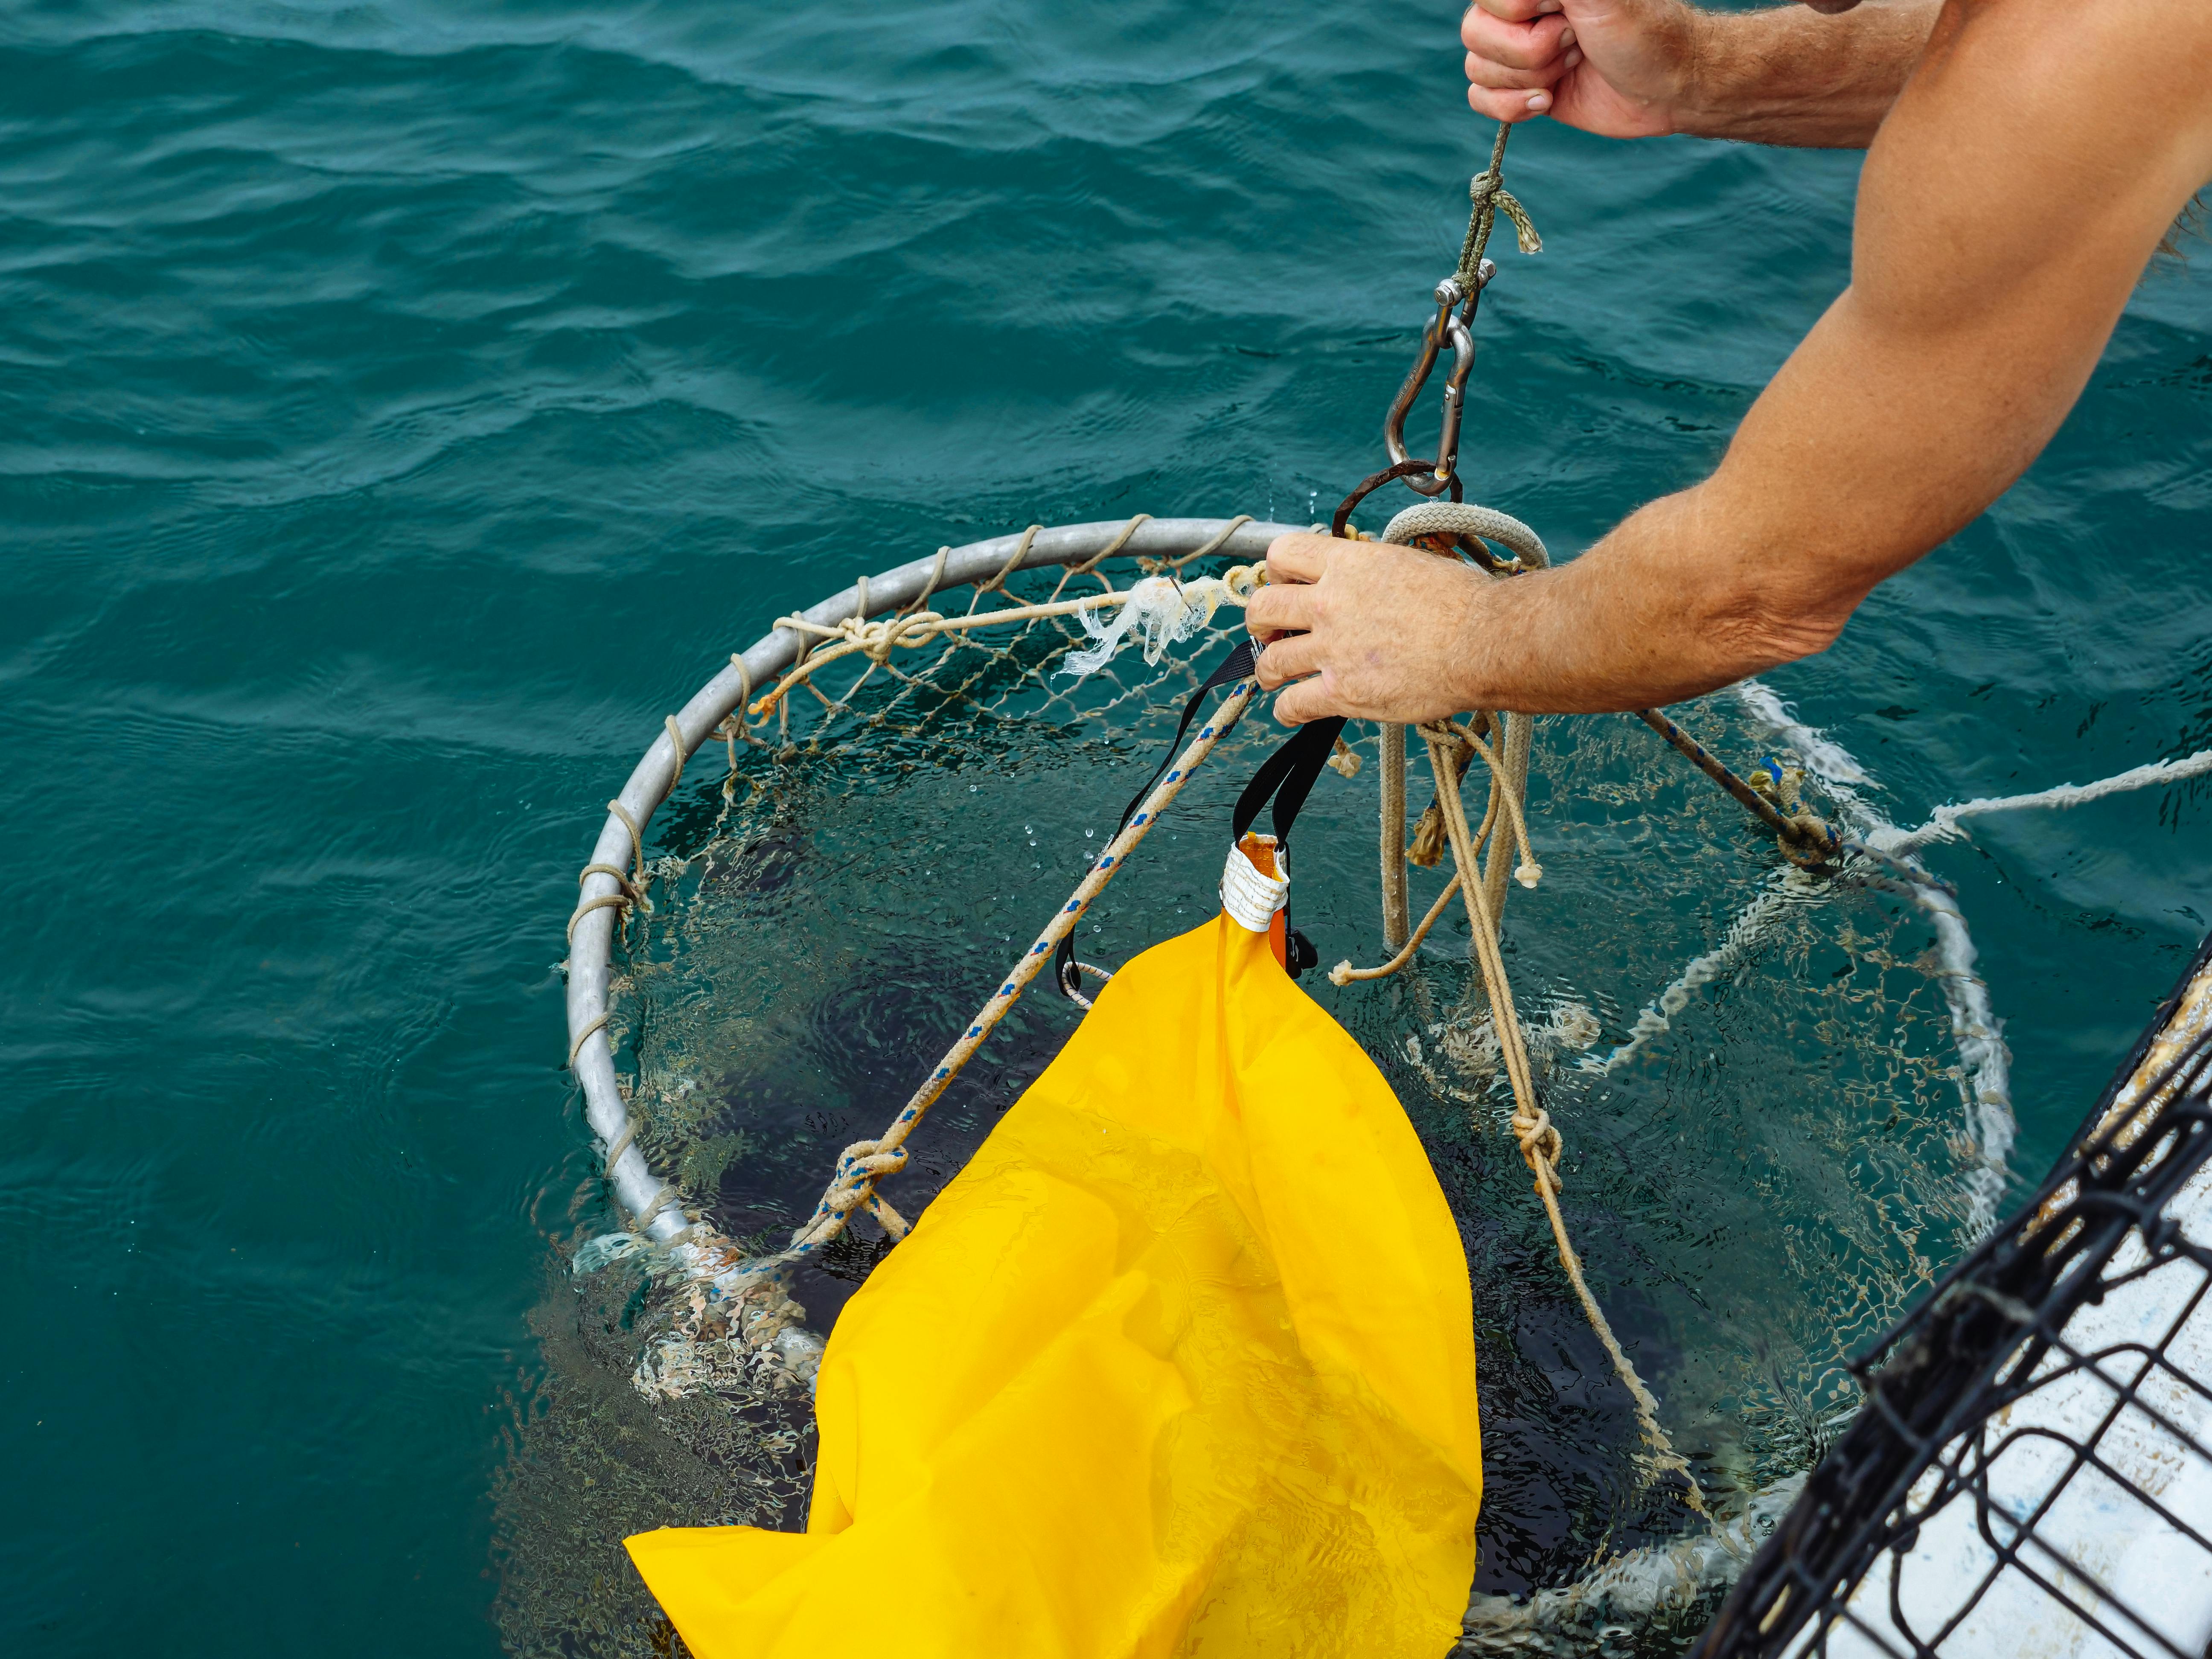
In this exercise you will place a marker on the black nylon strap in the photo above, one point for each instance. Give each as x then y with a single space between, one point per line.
1288 777
1237 665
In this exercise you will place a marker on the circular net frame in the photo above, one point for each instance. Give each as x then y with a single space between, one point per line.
1771 1138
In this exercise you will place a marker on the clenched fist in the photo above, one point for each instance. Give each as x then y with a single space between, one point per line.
1623 69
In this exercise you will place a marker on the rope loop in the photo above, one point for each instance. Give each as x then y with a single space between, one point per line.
736 726
1487 197
606 901
860 1166
936 576
622 1144
1137 521
998 583
597 1022
636 843
1157 567
620 876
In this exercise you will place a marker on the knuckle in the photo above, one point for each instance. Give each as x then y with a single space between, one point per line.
1512 48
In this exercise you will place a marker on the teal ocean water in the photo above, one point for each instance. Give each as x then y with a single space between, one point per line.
406 404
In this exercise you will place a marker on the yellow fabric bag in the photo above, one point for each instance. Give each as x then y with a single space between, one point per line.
1181 1364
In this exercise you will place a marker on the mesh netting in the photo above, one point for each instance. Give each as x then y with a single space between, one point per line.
2034 1471
1772 1143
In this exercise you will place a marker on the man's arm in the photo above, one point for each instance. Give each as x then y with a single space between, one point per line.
2024 179
1638 68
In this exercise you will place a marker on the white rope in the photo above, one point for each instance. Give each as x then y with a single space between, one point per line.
1786 890
1943 823
1466 519
1987 1086
1985 1080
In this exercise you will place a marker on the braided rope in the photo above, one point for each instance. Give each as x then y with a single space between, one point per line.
1393 817
865 1162
1533 1131
1466 518
1487 197
912 630
1943 823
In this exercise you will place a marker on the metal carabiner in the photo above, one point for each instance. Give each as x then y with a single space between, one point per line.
1449 322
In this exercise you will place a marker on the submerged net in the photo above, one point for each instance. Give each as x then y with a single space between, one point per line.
1739 1045
1780 1092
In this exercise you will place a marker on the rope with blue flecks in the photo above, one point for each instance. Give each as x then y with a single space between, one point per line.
865 1163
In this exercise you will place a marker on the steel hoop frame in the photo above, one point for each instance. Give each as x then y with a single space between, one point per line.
635 1186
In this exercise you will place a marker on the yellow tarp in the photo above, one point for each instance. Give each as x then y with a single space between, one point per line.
1181 1364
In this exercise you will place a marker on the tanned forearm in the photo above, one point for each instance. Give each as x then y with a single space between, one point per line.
1789 75
2018 188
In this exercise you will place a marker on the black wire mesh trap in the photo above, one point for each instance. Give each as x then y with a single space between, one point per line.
2032 1470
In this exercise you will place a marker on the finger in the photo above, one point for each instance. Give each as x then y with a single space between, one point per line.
1517 45
1285 609
1289 659
1481 72
1299 556
1508 106
1309 700
1512 12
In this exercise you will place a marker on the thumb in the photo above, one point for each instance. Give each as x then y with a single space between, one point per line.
1295 705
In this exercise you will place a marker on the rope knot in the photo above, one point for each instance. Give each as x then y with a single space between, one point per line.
1487 197
877 639
860 1166
1244 580
1540 1144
